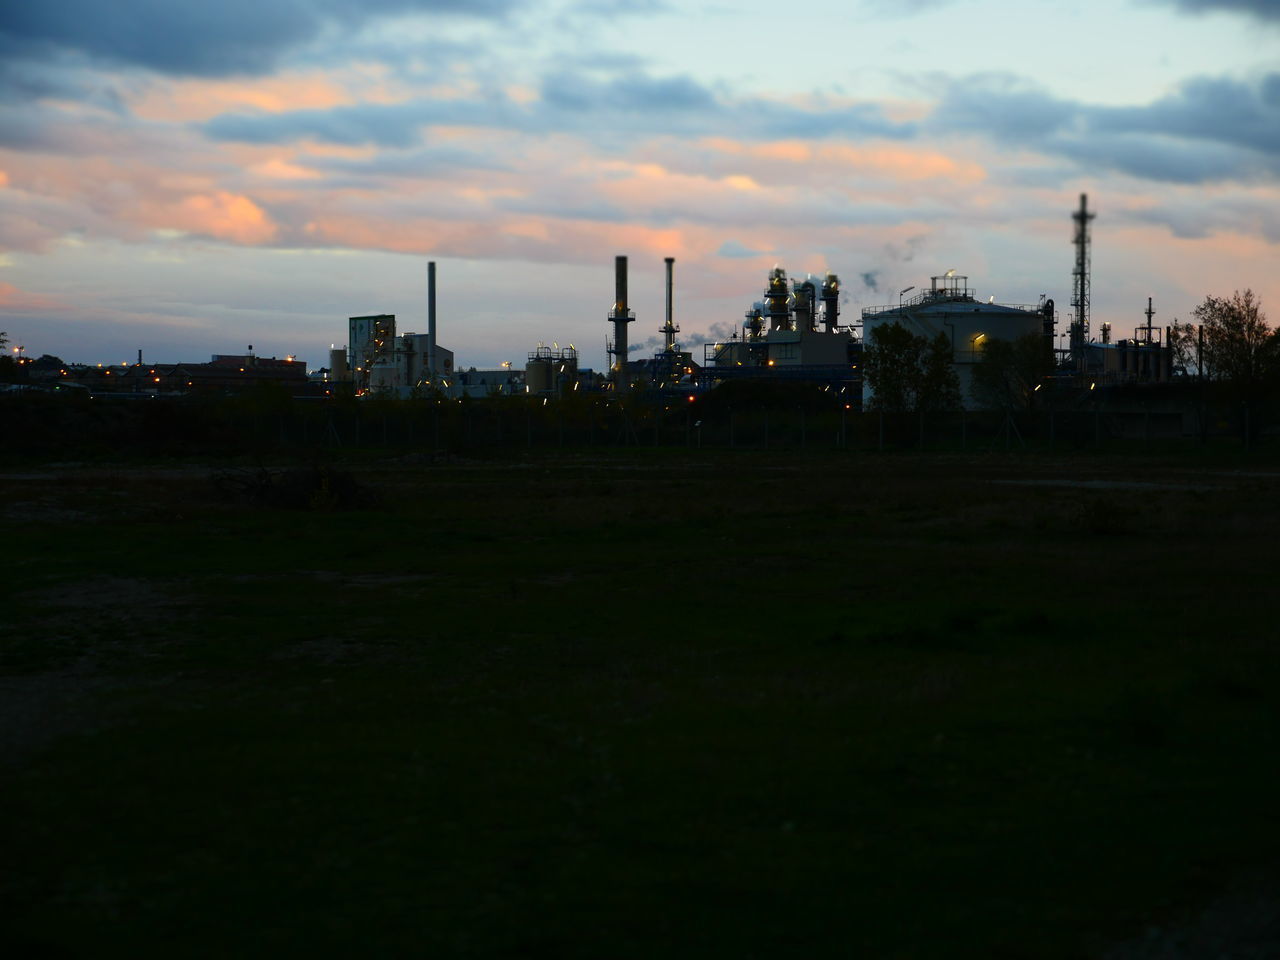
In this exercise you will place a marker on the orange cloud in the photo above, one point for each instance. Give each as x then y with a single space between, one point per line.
278 168
188 101
11 298
226 216
4 179
887 162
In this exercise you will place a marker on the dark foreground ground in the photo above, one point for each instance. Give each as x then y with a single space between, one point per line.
644 704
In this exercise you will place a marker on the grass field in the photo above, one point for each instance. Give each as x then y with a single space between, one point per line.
639 703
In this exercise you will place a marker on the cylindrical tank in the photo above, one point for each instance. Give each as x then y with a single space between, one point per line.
537 376
338 369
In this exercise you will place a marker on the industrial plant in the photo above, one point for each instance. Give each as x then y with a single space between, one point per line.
794 332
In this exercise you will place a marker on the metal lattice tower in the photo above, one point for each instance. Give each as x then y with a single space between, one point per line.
1081 288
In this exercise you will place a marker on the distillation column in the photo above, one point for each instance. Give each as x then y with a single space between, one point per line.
620 316
831 302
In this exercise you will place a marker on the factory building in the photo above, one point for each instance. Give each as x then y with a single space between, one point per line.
1146 357
376 360
949 307
793 333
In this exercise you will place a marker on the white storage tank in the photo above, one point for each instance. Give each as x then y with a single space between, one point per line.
949 307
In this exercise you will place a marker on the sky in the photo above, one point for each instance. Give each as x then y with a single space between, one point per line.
189 178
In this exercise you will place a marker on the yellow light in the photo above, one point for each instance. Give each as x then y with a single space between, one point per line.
1092 385
979 338
1038 386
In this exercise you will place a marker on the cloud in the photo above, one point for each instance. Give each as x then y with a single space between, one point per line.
425 163
387 125
613 110
1215 109
1209 129
619 8
203 39
224 216
1262 9
737 251
11 298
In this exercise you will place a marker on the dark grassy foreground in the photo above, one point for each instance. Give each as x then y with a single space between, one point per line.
635 705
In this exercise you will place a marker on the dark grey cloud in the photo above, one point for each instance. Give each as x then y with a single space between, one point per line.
735 250
1210 129
430 161
389 125
633 92
611 109
202 38
1206 108
57 78
1262 9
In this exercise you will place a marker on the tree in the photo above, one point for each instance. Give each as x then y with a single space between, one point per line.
1240 350
1008 372
8 369
1184 339
907 372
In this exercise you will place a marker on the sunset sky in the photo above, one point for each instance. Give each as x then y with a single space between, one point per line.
189 177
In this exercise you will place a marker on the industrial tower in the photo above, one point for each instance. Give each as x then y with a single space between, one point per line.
669 329
620 316
1080 289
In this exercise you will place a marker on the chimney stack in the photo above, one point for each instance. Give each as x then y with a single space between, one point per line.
620 316
431 321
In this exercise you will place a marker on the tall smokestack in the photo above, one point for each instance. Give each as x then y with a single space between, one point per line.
669 331
620 316
431 321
